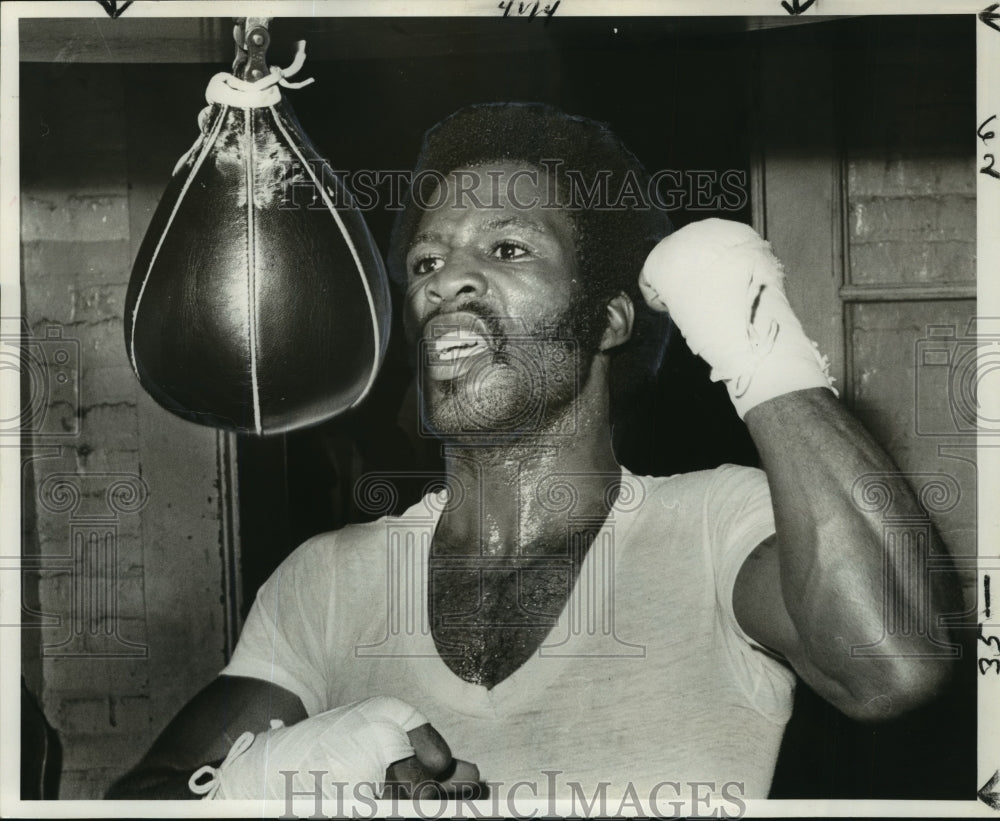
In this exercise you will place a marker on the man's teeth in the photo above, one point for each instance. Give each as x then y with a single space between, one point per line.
458 345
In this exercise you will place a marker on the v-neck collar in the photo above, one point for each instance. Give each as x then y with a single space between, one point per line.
572 635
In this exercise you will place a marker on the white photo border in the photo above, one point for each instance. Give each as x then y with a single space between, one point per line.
988 293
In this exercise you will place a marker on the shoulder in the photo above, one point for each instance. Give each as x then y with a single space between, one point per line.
727 510
737 486
724 483
357 550
337 548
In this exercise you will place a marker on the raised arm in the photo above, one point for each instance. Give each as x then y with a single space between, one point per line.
818 591
836 578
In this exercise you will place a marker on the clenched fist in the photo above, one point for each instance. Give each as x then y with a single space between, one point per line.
355 744
723 288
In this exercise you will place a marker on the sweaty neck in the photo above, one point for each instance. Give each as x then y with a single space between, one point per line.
517 497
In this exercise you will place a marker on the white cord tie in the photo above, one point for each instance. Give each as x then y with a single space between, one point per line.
208 789
227 89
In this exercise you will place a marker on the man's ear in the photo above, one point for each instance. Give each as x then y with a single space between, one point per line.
621 316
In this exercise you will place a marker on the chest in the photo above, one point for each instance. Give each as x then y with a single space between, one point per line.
489 617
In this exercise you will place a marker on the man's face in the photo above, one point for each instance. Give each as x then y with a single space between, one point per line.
490 302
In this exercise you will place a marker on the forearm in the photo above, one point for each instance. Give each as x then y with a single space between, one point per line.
153 783
837 578
204 732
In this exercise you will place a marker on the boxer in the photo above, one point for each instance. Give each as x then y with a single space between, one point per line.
523 307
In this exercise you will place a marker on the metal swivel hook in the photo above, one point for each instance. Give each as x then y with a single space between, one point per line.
252 39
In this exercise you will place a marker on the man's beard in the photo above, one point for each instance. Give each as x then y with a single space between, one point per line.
525 385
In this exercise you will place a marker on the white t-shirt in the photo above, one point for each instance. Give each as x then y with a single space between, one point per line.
646 678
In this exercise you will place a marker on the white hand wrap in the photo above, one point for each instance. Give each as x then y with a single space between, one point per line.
723 288
353 744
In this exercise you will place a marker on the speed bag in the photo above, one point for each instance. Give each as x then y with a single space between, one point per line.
258 302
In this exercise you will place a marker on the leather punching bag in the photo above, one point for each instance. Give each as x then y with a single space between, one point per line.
258 302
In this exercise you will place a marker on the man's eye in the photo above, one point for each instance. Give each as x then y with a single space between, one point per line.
425 265
509 250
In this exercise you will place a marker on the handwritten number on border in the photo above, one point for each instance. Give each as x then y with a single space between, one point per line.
985 662
986 136
990 17
988 158
520 8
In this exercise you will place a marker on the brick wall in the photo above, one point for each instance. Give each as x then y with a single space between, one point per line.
909 101
912 220
908 106
125 519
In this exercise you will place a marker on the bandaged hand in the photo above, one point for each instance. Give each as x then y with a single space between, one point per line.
723 288
353 744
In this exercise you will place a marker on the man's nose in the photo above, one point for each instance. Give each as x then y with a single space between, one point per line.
458 277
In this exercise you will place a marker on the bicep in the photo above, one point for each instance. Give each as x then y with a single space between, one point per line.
205 729
758 603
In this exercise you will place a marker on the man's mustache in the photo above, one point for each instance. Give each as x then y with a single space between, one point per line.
495 333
